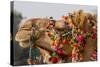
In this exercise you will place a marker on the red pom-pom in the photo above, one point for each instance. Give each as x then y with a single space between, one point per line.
64 41
54 59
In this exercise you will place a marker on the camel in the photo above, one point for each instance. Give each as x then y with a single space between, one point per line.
38 28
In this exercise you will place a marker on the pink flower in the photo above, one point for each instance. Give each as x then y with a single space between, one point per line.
80 38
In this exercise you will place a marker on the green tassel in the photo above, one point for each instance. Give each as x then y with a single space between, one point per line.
53 54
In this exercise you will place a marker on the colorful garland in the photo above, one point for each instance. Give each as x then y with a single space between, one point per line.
75 36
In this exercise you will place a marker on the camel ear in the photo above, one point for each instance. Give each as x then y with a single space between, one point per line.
25 25
22 35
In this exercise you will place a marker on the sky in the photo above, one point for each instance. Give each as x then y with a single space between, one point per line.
40 9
